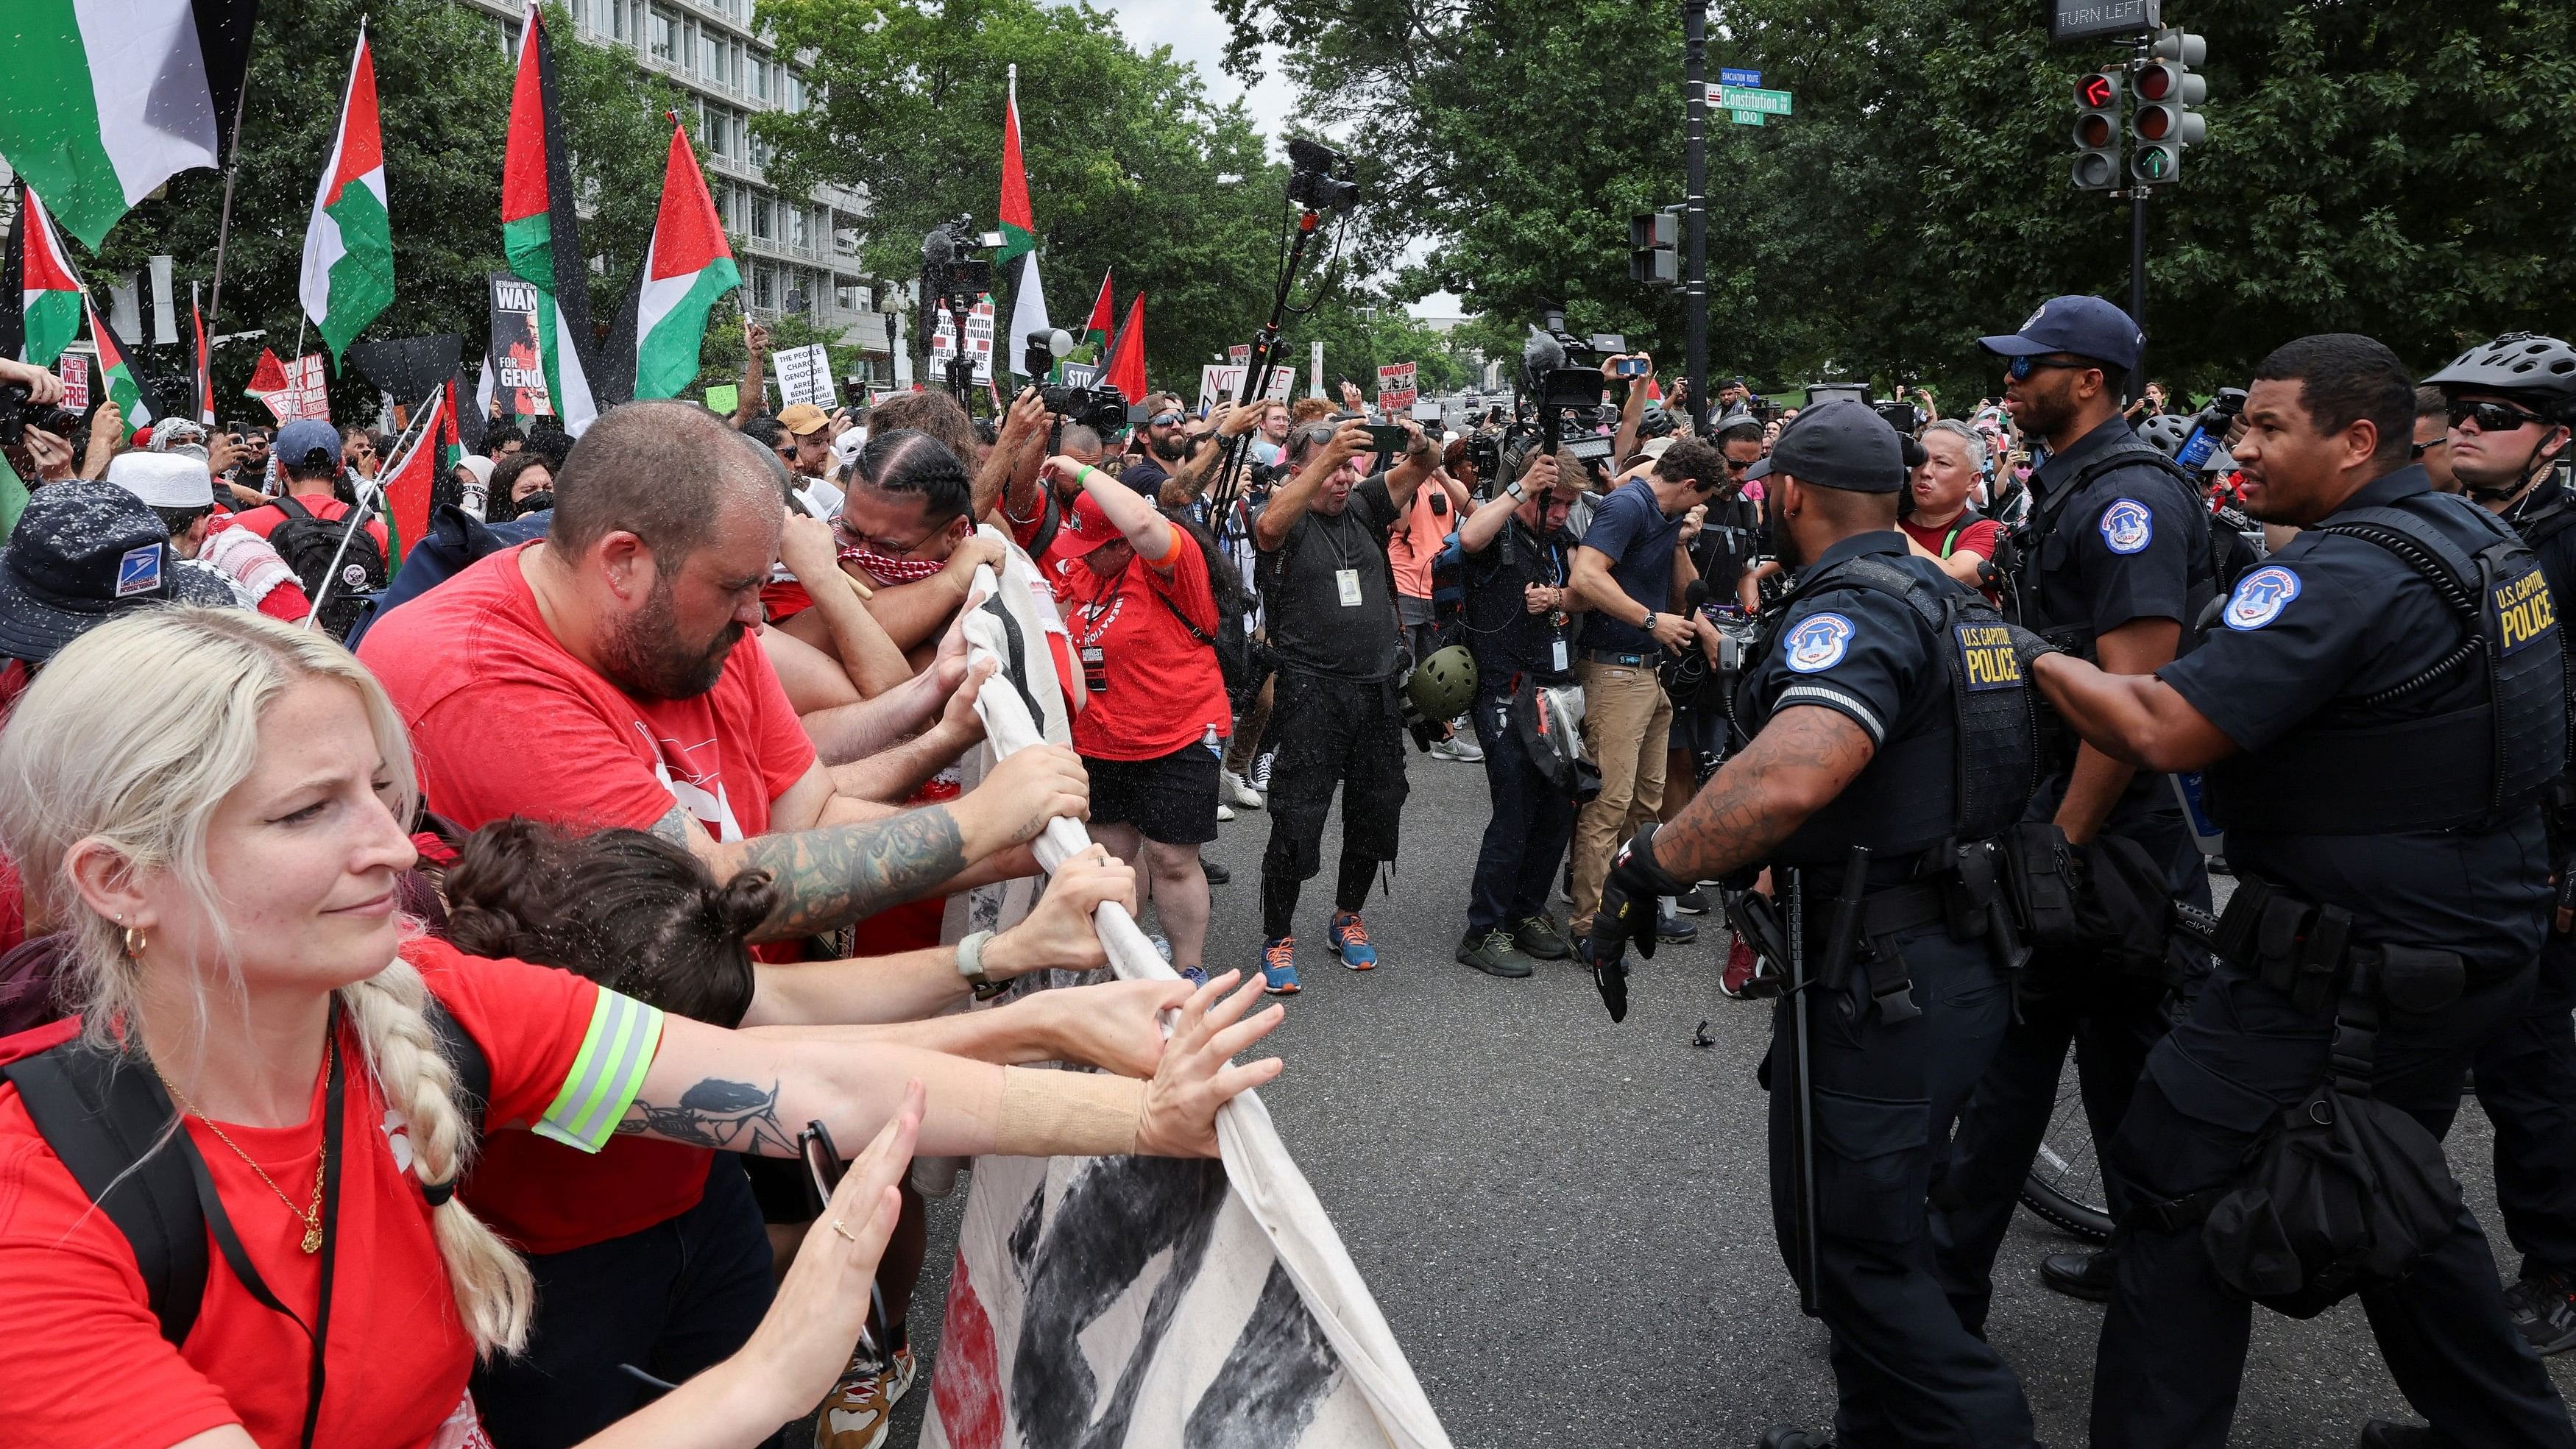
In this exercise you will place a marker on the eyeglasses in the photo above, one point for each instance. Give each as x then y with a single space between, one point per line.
2493 417
1162 420
2419 449
2020 368
1738 465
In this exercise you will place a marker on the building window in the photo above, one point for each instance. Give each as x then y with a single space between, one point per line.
764 287
759 78
760 217
791 90
849 296
659 28
796 227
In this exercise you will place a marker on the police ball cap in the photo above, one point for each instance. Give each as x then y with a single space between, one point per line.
1841 444
2079 326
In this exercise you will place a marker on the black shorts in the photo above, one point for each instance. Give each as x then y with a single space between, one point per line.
1171 800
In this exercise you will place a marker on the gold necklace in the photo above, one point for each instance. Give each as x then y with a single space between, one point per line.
312 1216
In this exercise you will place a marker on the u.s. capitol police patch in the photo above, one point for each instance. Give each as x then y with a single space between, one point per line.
2260 597
2127 526
1818 643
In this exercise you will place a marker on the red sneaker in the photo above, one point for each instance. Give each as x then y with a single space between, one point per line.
1740 966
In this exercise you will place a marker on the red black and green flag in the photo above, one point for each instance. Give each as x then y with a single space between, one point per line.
539 233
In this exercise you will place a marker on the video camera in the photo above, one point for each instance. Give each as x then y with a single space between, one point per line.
946 270
1102 409
17 415
1561 374
1312 182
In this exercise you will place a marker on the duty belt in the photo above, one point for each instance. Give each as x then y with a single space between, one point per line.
2306 952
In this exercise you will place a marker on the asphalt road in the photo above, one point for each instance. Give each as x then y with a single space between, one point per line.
1566 1220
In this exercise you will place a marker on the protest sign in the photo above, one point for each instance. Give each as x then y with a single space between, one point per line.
1240 354
724 399
518 358
805 376
1395 386
1282 379
1218 386
75 370
290 390
979 342
1141 1302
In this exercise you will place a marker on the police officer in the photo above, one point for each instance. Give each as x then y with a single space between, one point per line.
1519 611
1868 676
2375 737
2115 562
2510 405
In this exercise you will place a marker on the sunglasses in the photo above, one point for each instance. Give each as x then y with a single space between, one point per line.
1163 420
2020 368
2493 417
2418 450
1737 466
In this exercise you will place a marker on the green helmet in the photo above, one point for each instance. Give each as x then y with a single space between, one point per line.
1442 686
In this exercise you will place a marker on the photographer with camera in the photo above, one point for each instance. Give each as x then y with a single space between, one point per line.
1625 573
1328 594
1518 619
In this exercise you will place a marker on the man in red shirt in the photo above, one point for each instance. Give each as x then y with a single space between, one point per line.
308 453
1941 526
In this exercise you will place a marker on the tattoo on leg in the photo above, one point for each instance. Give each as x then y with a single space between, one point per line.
836 875
729 1116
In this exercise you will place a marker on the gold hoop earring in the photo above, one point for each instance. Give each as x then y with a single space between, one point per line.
135 941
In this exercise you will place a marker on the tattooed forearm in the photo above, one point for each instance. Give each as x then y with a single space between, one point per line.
674 825
835 875
729 1116
1802 759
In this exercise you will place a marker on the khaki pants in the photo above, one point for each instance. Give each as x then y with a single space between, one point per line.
1627 725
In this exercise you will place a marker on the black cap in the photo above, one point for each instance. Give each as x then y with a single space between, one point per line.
1840 444
2078 325
82 551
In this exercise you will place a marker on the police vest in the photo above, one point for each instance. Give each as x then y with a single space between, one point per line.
2076 635
2349 769
2537 529
1964 778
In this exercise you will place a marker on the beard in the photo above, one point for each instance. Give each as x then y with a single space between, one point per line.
645 655
2043 413
1172 449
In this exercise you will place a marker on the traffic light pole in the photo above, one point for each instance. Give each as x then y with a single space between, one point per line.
1695 210
2138 285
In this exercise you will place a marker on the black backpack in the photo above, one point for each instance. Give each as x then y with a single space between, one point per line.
103 1115
1233 646
308 543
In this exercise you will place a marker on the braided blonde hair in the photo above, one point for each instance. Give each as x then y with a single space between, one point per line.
132 736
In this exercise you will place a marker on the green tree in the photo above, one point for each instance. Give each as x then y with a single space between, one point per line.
1130 165
443 75
2390 169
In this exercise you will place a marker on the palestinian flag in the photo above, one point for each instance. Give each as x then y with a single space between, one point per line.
1019 238
687 267
349 243
1125 367
115 378
411 475
108 98
40 299
1095 333
539 233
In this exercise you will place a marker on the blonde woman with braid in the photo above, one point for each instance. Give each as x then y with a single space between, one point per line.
208 804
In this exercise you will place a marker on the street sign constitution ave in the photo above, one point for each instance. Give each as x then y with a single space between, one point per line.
1749 98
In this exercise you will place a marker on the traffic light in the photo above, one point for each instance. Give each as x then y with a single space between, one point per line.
2167 90
1652 258
2097 131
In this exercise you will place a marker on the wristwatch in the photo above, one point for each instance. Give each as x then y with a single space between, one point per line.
1514 488
970 964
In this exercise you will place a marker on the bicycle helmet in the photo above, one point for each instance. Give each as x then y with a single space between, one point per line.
1654 422
2525 365
2165 432
1443 685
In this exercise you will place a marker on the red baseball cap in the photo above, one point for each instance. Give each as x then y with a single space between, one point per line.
1088 528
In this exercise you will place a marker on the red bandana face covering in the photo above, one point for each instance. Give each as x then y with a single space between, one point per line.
888 569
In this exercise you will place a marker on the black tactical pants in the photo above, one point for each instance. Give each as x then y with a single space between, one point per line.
2526 1082
2111 1021
1905 1372
1329 734
2172 1354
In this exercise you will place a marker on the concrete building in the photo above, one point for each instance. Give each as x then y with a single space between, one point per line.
798 254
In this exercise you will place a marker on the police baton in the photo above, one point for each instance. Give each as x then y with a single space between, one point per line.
1802 1093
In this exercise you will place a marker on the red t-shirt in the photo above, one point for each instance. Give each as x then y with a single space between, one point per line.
264 520
1164 688
504 721
1976 535
88 1364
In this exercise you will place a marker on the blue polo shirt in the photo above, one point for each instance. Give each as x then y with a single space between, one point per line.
1631 527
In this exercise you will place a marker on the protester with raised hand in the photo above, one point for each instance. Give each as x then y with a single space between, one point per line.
1141 611
252 882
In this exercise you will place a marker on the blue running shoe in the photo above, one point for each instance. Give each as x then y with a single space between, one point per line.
1350 941
1279 966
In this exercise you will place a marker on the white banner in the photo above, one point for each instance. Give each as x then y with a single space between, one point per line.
979 343
1143 1303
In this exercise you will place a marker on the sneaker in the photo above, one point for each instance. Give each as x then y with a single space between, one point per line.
1224 812
1456 749
1692 902
1540 940
1741 964
1279 966
1261 772
1788 1436
861 1408
1350 941
1162 947
1193 975
1233 789
2544 1308
1672 928
1215 873
1494 954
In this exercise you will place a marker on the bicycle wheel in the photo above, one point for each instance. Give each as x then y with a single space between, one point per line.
2064 1188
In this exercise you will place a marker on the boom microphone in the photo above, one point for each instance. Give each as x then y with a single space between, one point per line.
1539 355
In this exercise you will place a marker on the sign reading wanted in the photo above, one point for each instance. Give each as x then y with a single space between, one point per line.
1395 387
